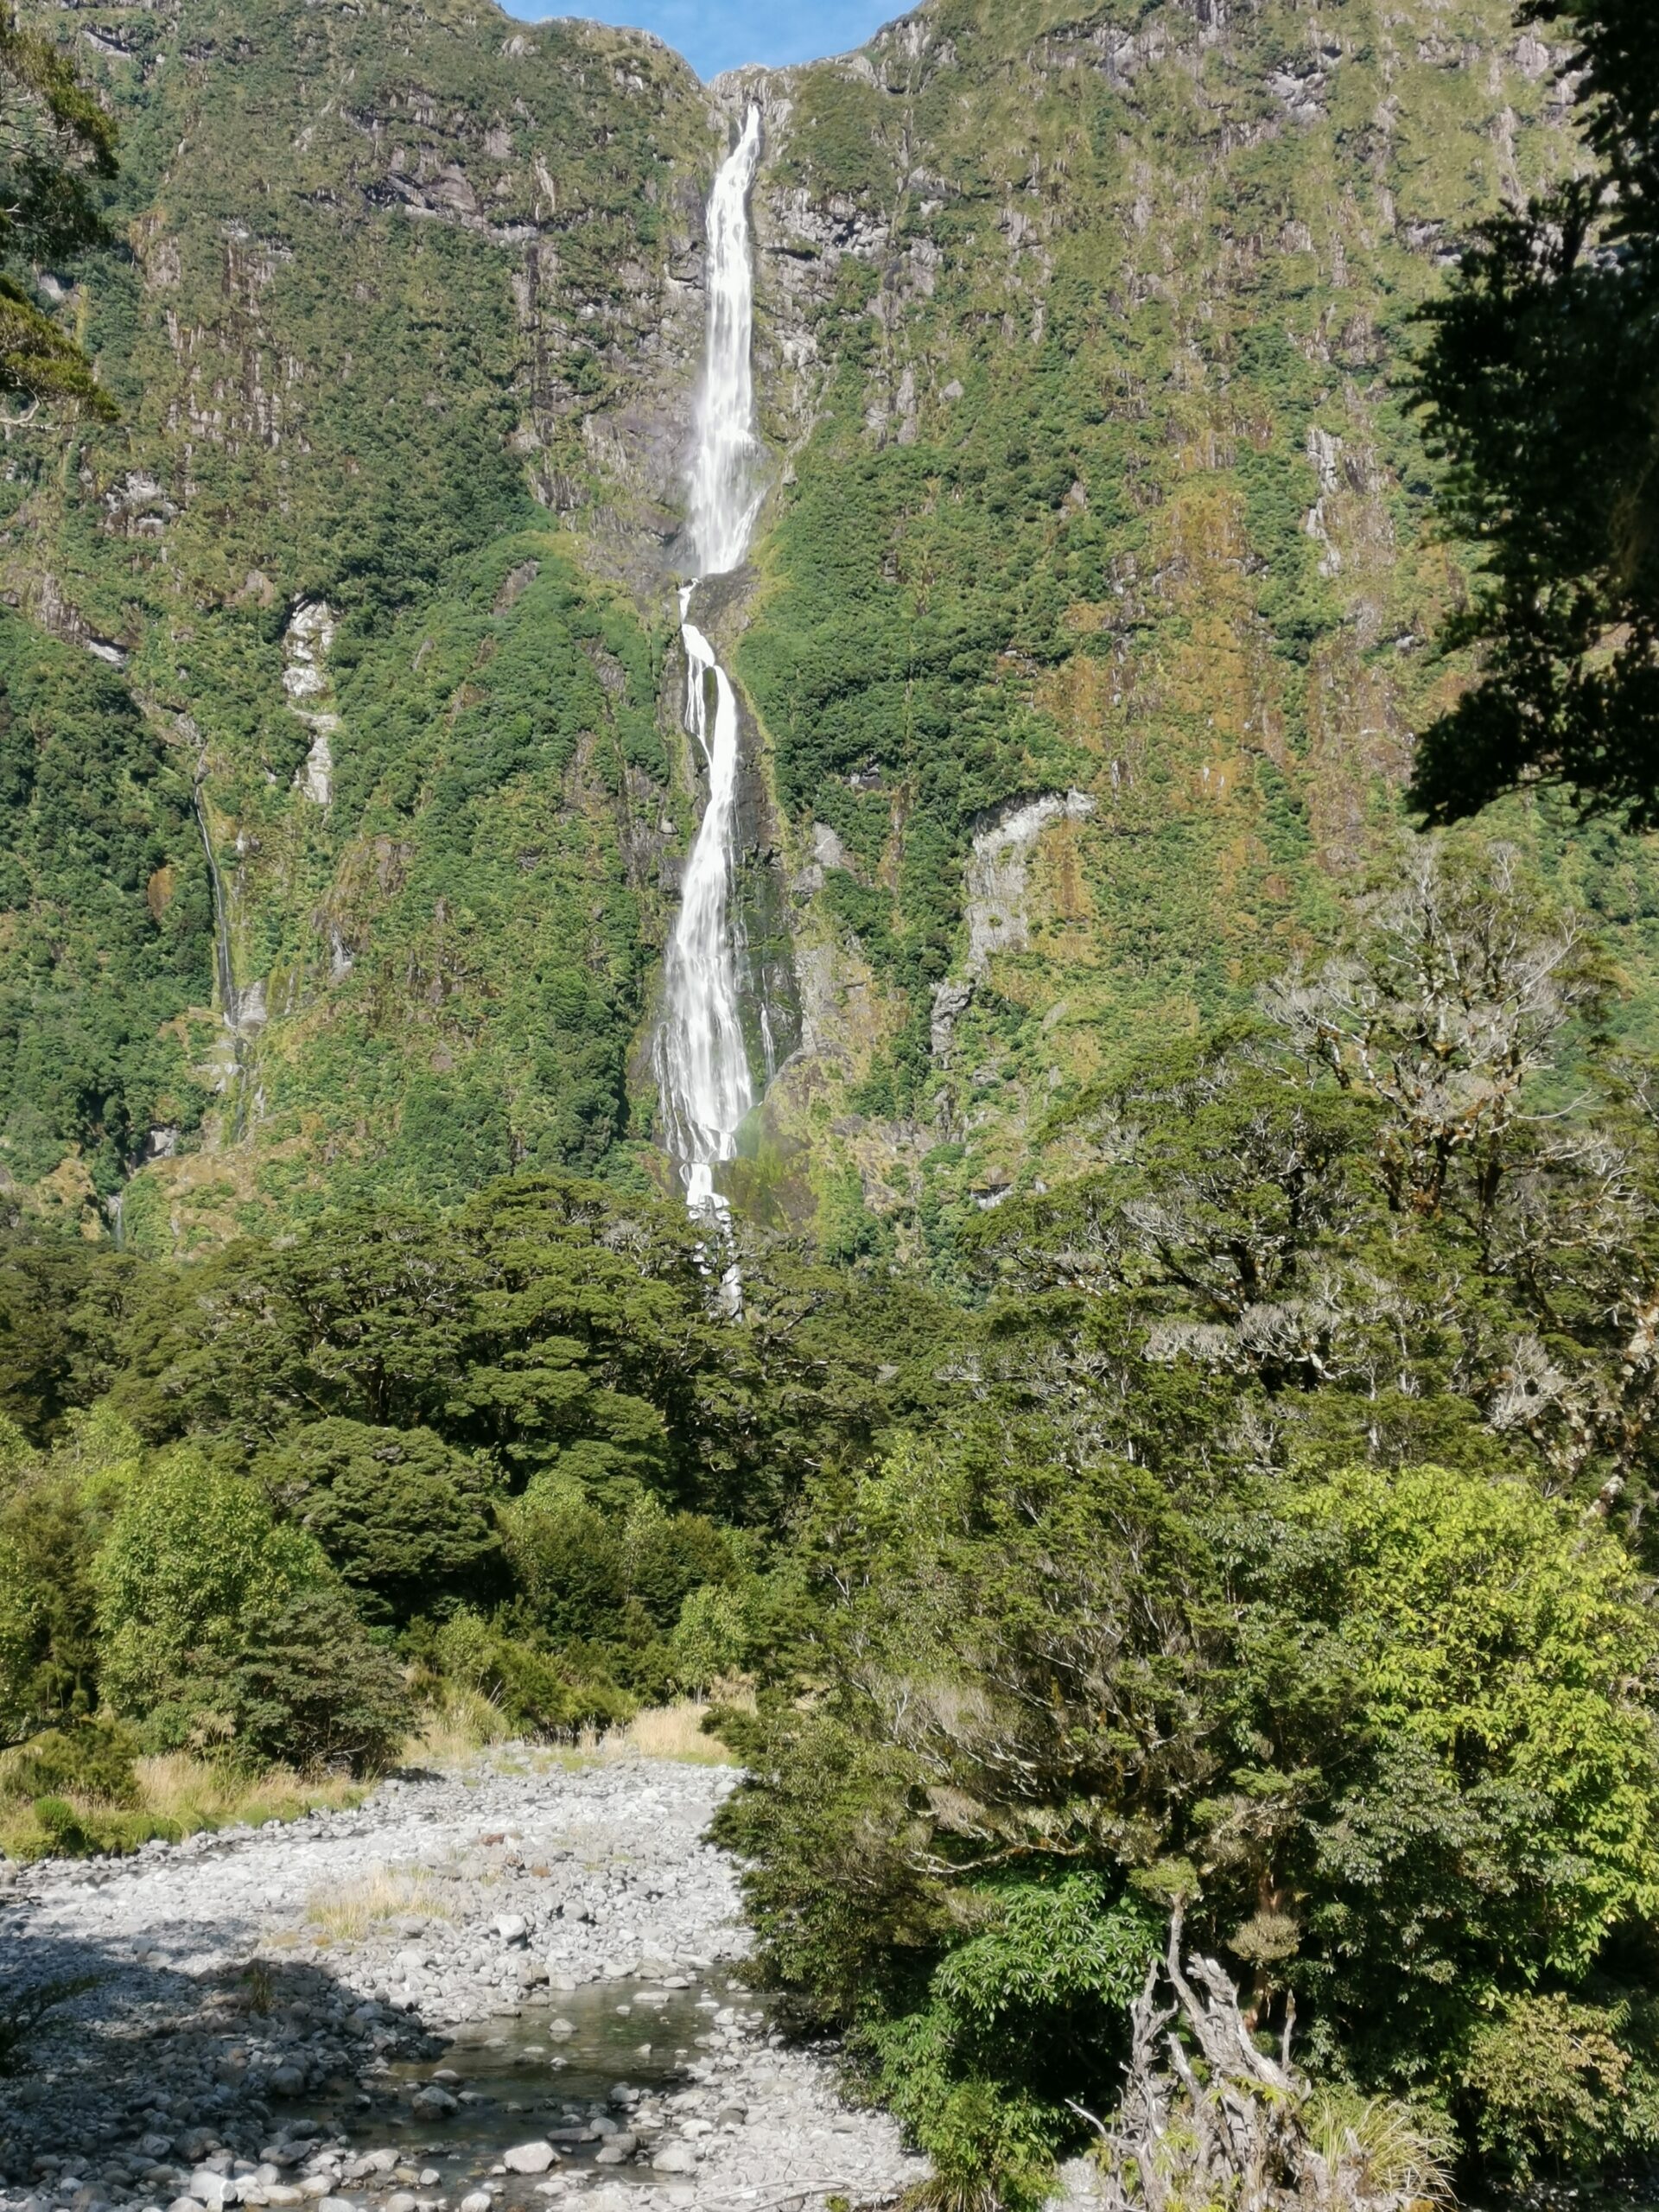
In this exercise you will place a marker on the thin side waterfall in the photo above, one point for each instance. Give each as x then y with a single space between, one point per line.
224 970
702 1067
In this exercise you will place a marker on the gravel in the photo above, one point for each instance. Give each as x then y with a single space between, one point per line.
263 2012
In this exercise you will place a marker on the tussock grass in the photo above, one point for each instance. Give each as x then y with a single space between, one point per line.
1401 2154
197 1795
177 1795
344 1913
661 1731
468 1725
668 1731
464 1724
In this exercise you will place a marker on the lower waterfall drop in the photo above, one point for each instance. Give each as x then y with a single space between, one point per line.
702 1061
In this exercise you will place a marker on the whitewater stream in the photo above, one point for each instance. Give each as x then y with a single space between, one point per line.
702 1066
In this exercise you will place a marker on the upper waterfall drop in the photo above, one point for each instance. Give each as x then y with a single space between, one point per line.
702 1066
725 490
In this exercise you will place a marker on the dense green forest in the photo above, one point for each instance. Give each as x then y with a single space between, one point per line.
1262 1528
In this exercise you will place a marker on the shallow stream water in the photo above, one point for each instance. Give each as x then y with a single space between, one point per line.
579 2070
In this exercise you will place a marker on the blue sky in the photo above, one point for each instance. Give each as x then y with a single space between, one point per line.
717 35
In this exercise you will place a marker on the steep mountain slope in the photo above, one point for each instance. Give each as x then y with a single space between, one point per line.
1095 618
1083 642
387 269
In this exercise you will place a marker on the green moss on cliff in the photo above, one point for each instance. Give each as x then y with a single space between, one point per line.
1113 490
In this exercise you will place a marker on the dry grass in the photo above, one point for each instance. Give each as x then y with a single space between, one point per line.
466 1723
345 1915
177 1795
451 1734
668 1731
198 1795
662 1732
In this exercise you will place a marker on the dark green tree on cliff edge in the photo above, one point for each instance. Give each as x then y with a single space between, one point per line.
1541 387
55 140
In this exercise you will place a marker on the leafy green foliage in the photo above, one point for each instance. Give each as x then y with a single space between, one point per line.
1183 1606
1485 1663
1033 1999
192 1561
79 1784
713 1639
309 1688
536 1689
54 1515
405 1519
1541 385
503 1437
92 1758
1555 2082
108 919
61 1303
59 139
547 1321
1333 1724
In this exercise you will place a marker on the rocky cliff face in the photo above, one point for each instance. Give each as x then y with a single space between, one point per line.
404 335
1098 599
1081 647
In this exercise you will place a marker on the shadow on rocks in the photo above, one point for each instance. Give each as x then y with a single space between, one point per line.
148 2085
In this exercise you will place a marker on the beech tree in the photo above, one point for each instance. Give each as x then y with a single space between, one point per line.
1541 389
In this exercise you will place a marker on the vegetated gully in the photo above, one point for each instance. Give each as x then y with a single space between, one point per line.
495 1991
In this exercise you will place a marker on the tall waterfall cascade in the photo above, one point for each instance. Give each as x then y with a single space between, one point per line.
702 1067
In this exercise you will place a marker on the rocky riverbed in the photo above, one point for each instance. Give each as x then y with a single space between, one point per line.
492 1992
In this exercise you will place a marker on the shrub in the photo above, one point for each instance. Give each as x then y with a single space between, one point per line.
1390 1733
1469 1670
310 1688
192 1550
710 1640
1034 2000
1552 2082
402 1516
54 1511
566 1556
533 1690
607 1589
92 1760
63 1830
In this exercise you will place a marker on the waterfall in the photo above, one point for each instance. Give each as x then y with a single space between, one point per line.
224 969
702 1067
725 492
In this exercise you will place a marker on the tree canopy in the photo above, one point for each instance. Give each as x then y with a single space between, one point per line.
1540 386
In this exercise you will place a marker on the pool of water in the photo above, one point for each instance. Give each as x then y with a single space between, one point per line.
582 2060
